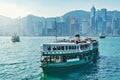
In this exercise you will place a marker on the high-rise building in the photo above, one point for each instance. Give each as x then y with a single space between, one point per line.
108 28
85 27
73 26
103 13
93 12
101 17
115 26
93 21
99 25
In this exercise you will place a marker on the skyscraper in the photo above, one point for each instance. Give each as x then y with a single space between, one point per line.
93 11
99 25
103 13
101 19
115 26
93 21
73 26
85 28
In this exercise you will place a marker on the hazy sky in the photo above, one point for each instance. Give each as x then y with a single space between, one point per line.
51 8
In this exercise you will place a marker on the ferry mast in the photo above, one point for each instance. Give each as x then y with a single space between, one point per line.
55 31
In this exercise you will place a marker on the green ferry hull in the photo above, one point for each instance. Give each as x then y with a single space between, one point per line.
65 67
54 70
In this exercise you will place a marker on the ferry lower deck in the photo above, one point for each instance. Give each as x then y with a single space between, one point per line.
50 67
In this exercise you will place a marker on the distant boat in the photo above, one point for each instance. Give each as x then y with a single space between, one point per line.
15 38
102 36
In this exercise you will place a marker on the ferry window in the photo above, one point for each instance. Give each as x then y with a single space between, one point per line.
71 56
81 47
54 48
49 48
64 59
57 57
72 47
52 58
47 58
68 57
86 46
77 47
58 48
62 47
89 57
69 47
81 56
66 47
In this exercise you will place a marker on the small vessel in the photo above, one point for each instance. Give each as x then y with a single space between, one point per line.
15 38
102 36
67 54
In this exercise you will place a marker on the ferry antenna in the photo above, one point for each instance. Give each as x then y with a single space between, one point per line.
55 31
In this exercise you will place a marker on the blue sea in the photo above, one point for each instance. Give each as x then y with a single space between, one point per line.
21 61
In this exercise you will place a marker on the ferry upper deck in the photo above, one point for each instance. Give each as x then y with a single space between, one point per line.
73 46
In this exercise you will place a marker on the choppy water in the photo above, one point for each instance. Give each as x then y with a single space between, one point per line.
21 61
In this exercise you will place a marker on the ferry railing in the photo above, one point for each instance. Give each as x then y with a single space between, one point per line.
60 52
63 51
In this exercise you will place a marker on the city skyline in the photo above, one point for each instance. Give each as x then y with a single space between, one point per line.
51 8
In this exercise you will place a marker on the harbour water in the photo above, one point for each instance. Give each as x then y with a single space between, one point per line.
21 61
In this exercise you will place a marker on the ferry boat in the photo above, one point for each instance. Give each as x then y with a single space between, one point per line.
15 38
102 36
68 54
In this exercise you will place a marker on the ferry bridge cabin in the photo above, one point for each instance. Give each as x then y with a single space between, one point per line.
67 51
